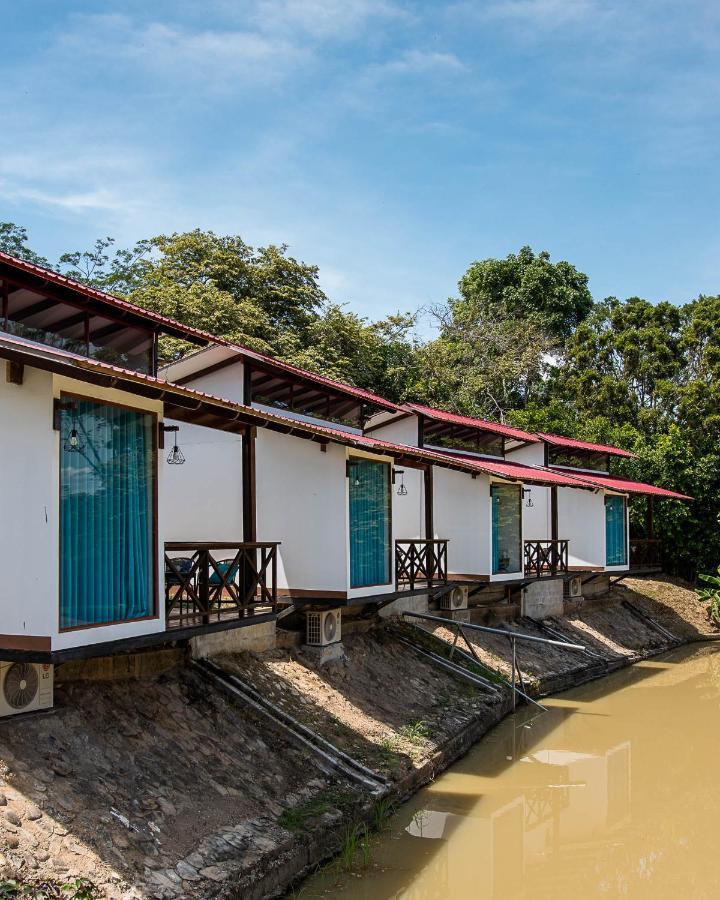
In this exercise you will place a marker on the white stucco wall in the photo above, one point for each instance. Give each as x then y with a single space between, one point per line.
462 515
202 499
403 431
581 519
528 455
301 501
408 512
226 382
28 507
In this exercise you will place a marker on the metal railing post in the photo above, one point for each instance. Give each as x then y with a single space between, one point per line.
514 667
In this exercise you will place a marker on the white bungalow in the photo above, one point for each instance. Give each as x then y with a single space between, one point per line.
107 542
597 522
544 505
352 511
82 426
491 538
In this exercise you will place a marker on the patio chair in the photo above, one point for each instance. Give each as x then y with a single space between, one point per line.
229 569
183 565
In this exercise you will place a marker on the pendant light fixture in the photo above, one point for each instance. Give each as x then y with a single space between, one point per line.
175 457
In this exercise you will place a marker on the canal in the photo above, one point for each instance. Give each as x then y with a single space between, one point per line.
614 792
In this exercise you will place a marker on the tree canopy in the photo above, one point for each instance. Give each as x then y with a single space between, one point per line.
523 342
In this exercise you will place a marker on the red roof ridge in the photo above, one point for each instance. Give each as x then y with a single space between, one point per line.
96 294
559 440
472 422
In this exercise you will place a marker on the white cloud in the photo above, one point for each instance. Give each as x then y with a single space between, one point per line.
207 58
552 13
323 19
416 62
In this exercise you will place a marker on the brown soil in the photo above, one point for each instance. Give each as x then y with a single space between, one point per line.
162 787
126 779
382 704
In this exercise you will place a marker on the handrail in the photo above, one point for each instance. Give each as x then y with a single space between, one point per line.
200 587
421 560
512 636
501 631
546 556
219 545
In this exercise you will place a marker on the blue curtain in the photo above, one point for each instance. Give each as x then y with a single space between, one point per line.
369 522
615 531
107 553
506 529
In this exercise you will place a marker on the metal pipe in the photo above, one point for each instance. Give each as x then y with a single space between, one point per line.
501 678
501 631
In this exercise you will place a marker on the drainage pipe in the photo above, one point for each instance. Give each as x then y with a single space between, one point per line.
329 753
471 677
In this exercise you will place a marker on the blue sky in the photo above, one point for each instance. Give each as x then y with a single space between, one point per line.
391 143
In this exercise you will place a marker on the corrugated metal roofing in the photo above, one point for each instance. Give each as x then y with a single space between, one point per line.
440 415
340 386
109 299
628 486
519 472
78 365
558 440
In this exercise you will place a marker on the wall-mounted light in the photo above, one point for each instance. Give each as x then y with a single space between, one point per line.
402 490
73 442
175 457
529 502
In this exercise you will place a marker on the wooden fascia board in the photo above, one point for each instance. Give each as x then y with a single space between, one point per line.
96 306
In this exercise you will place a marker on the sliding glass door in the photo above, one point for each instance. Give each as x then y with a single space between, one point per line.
107 514
369 522
506 529
615 531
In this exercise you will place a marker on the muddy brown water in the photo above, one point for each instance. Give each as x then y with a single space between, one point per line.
614 792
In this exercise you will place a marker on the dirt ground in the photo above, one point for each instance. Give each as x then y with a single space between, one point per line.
146 787
610 631
163 787
383 704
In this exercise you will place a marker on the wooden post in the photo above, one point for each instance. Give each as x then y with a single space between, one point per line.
5 304
429 510
248 486
554 528
249 504
14 372
204 585
650 517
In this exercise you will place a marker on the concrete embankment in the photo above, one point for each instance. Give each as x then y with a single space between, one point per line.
173 784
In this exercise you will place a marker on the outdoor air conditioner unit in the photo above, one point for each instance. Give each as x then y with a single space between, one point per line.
25 687
455 599
573 588
323 628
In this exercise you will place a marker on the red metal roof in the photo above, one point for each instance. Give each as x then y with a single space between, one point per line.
109 299
440 415
77 365
519 472
627 485
558 440
340 386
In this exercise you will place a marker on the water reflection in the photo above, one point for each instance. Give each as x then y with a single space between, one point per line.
610 793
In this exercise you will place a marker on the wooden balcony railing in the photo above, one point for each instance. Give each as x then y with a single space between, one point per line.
209 582
420 562
546 557
645 553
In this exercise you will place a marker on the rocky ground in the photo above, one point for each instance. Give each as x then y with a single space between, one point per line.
164 787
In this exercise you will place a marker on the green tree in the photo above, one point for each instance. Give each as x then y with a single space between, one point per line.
528 287
13 240
625 359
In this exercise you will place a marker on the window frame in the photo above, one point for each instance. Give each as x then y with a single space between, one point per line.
69 397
